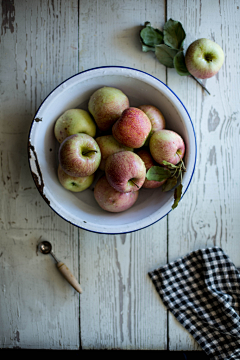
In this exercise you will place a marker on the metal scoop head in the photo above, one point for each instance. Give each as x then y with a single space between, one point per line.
46 248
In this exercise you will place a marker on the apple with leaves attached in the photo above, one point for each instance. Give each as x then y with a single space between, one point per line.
204 58
112 200
72 183
74 121
79 155
125 171
167 145
132 128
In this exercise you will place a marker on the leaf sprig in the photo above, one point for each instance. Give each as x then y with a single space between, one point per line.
171 173
167 46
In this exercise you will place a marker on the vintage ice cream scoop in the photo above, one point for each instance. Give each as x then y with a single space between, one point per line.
46 248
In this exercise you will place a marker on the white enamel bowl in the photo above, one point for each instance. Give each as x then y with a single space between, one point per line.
81 209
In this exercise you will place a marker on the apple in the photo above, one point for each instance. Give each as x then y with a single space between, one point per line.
149 162
125 171
74 121
79 155
72 183
112 200
132 128
106 105
155 116
166 145
204 58
108 146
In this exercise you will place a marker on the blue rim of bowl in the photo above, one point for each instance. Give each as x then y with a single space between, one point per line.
104 67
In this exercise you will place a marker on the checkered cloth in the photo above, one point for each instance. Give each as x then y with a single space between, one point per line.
202 290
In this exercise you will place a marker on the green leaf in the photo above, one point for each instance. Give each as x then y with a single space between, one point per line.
169 184
158 173
179 64
177 196
173 34
165 55
150 36
172 166
146 48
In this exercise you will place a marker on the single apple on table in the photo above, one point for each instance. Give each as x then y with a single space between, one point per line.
167 145
112 200
106 106
79 155
132 128
72 183
74 121
204 58
155 116
149 162
125 171
108 146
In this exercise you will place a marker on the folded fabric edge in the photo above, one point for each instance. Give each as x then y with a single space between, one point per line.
155 276
181 258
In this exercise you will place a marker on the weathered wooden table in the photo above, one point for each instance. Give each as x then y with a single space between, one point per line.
43 43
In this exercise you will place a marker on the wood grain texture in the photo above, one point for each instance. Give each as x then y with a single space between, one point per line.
38 308
43 43
119 308
208 214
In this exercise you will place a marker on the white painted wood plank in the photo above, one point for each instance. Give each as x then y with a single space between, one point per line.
209 212
109 33
119 306
38 308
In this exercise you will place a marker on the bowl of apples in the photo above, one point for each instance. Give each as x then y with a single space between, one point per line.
112 150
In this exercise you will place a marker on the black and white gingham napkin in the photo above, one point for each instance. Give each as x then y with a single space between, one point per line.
202 290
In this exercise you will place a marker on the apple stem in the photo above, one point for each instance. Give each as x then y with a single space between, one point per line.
89 151
200 83
134 184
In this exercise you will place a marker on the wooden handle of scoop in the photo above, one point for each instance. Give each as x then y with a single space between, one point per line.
69 276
